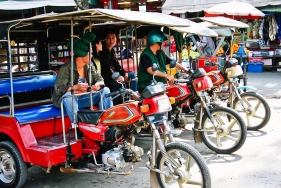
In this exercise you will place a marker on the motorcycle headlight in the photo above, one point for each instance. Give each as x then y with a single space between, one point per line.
164 105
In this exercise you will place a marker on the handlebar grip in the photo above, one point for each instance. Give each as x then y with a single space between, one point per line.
181 81
112 94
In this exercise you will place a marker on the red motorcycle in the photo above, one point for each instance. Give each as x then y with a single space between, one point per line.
221 129
109 139
252 107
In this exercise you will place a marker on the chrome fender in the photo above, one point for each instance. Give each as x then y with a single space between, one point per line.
247 88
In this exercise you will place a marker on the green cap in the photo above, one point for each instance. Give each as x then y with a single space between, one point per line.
81 45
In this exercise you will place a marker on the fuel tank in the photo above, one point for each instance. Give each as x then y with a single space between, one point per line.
178 91
216 77
122 114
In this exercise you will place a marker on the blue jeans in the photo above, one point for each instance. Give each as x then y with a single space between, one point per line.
84 101
134 83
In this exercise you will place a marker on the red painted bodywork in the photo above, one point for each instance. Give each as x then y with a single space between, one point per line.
206 83
46 151
153 105
202 63
90 146
121 114
94 132
178 91
216 77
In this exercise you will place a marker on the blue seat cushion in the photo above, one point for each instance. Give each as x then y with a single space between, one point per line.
28 83
36 113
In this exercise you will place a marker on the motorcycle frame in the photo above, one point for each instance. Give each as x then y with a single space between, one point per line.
203 107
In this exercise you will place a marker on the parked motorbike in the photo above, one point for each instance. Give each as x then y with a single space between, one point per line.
221 129
110 132
252 107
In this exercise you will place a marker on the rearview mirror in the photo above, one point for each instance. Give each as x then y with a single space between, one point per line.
173 64
154 67
115 76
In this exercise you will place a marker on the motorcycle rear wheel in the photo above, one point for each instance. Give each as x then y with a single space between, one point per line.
191 167
259 114
234 131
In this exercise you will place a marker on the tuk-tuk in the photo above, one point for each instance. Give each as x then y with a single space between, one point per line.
34 132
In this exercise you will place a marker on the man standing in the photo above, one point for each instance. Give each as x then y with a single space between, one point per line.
207 45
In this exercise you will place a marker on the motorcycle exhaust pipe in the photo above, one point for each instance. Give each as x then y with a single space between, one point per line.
88 170
73 170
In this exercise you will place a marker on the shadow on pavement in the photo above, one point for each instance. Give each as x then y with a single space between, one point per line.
258 133
221 158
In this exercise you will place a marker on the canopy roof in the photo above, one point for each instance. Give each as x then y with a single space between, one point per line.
222 21
197 29
173 6
20 5
221 25
108 15
103 17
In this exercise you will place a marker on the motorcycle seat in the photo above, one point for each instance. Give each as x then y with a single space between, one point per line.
89 116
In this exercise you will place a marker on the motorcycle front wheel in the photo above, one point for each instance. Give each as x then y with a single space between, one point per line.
257 112
230 134
187 163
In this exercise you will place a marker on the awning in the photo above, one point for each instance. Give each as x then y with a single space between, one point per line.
173 6
109 15
197 29
21 5
227 22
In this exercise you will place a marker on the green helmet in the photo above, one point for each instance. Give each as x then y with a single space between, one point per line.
156 36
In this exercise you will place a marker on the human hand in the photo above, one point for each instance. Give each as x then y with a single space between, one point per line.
82 87
120 79
96 87
126 76
170 79
186 71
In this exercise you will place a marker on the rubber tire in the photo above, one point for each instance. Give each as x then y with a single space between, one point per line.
242 127
265 104
206 177
20 168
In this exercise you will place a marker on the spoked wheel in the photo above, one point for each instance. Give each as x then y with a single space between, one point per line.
13 171
231 131
188 166
257 112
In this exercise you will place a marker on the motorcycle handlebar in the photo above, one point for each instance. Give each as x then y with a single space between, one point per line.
112 94
181 81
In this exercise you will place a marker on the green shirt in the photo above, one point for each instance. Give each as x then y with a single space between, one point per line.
144 78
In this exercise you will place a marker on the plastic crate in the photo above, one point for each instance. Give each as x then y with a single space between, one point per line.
254 59
255 67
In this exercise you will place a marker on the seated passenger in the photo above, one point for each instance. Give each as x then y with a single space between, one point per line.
81 81
110 64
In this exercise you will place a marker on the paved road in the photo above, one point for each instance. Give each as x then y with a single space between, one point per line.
257 164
